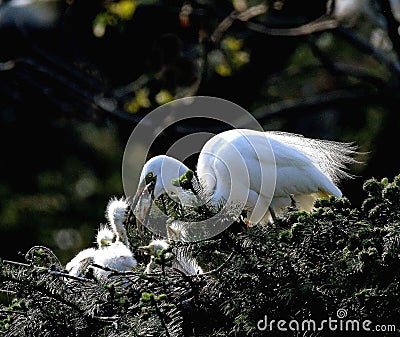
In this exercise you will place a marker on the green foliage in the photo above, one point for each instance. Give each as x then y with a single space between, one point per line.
303 266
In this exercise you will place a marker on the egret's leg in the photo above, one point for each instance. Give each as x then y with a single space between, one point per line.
292 201
273 215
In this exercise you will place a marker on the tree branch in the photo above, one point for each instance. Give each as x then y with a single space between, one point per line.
308 105
366 47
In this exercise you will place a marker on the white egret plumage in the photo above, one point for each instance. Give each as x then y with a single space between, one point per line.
79 264
115 213
305 169
116 256
105 237
153 249
112 246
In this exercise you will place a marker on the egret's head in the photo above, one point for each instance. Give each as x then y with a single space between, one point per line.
105 237
162 170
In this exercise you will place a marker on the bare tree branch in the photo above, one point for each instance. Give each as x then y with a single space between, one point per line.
309 105
356 41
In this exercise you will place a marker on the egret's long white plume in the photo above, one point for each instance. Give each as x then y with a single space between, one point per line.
331 157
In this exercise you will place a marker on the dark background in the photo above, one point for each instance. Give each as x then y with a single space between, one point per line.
62 147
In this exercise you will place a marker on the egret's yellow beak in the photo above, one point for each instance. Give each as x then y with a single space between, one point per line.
142 201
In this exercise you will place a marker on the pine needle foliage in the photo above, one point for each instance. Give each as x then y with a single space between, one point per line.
303 266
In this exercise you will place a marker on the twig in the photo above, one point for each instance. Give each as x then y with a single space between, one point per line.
115 272
363 45
321 24
160 315
308 105
19 264
90 96
226 23
73 277
17 312
49 254
107 319
343 69
131 87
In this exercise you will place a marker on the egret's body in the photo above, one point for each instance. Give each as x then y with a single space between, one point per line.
113 253
304 168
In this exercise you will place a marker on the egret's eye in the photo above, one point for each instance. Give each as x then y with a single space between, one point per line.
149 178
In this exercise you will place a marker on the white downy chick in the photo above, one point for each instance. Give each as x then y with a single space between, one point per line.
116 256
153 249
112 253
182 258
115 213
78 265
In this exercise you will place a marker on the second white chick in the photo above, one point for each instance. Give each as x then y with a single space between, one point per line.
79 264
112 254
153 249
182 258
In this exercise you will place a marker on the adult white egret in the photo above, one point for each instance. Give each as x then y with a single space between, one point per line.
239 164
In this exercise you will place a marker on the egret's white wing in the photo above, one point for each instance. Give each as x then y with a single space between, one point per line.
238 166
